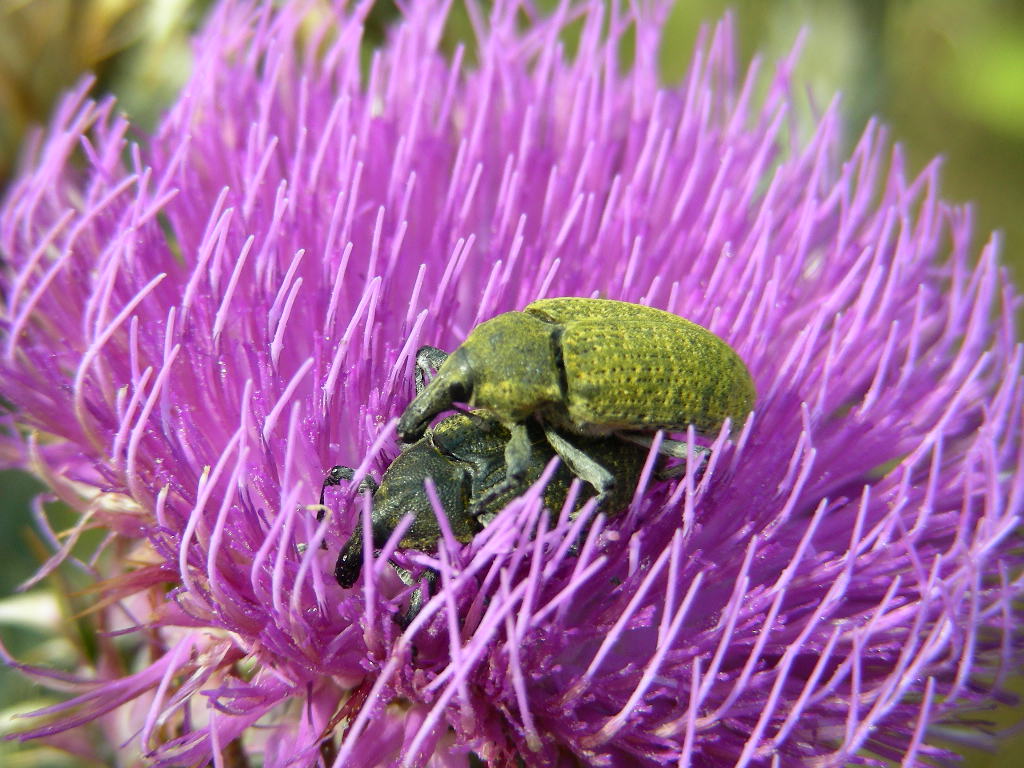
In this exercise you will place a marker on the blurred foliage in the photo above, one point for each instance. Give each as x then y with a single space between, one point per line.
947 76
137 49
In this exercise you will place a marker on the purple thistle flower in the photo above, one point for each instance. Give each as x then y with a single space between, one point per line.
196 327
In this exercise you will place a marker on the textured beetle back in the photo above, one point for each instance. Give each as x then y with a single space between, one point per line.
568 309
630 367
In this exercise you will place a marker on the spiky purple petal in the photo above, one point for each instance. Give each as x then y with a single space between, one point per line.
197 326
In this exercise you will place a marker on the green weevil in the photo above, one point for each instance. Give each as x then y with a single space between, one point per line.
585 367
464 455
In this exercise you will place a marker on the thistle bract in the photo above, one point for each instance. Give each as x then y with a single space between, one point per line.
199 323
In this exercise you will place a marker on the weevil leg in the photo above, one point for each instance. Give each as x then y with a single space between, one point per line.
680 450
427 359
677 449
582 465
517 462
517 453
335 476
418 598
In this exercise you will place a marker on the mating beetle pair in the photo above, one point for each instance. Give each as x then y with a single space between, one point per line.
588 379
464 455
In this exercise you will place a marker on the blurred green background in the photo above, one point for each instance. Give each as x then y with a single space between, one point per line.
947 76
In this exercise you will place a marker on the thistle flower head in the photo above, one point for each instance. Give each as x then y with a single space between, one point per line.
197 325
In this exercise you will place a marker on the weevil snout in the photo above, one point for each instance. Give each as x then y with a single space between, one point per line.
453 383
